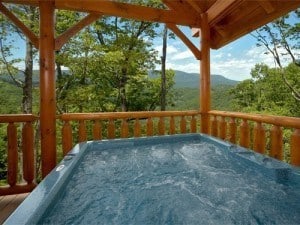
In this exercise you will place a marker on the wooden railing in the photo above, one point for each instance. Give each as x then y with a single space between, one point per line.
124 125
277 136
20 142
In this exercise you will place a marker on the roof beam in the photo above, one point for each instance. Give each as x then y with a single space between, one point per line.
195 6
128 11
182 8
22 2
28 33
186 41
68 34
219 9
267 6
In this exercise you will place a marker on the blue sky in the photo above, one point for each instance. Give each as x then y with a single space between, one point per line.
233 61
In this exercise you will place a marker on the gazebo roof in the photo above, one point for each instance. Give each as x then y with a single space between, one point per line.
227 19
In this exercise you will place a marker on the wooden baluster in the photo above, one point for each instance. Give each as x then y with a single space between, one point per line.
214 127
276 143
172 125
97 130
223 128
12 155
193 125
295 148
161 126
259 142
124 128
183 125
149 127
245 134
28 154
82 131
67 139
232 130
111 129
137 128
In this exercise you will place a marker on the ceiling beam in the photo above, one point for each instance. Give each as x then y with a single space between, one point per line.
267 6
128 11
68 34
195 6
28 33
186 41
182 8
237 30
22 2
219 9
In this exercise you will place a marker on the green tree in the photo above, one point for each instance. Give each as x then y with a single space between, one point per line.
281 39
265 92
8 63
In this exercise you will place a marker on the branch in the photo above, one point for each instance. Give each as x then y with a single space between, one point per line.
18 82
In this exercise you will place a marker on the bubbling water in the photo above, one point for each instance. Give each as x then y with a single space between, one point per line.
175 183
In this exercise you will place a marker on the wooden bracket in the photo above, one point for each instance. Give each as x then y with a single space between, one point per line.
186 41
28 33
68 34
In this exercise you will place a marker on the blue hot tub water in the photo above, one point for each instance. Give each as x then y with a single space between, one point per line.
183 179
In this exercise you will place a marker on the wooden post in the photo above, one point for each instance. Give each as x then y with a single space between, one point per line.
47 87
205 74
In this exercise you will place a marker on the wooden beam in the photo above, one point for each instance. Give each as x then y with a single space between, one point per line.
47 87
195 6
68 34
205 74
267 5
22 2
129 11
182 8
247 23
219 9
26 31
185 40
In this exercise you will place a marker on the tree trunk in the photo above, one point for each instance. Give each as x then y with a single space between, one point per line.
123 82
27 87
163 70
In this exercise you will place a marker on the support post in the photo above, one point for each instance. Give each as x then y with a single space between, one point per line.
205 74
47 86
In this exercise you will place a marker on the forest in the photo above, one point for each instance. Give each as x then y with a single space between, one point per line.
108 65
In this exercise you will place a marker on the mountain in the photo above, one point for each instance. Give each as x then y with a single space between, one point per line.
191 80
182 79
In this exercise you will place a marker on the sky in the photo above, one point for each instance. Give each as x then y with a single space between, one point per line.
233 61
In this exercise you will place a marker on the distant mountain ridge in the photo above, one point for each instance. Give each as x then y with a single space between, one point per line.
182 79
191 80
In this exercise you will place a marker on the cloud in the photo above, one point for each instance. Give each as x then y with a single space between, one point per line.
191 67
171 49
183 55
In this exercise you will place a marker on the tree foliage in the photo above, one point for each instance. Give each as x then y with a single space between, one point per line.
281 39
266 93
108 66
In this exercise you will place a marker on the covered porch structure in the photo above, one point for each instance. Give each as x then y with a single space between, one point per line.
215 22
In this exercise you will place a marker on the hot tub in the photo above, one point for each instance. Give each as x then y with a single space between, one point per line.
181 179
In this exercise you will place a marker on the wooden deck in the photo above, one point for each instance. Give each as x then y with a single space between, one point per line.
8 204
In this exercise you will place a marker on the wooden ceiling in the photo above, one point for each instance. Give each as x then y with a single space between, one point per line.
228 19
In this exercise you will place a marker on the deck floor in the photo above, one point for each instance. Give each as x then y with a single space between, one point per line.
8 204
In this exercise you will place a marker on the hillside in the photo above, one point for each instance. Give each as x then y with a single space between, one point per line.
191 80
182 79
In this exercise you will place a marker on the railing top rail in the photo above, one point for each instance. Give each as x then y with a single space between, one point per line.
283 121
17 118
122 115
